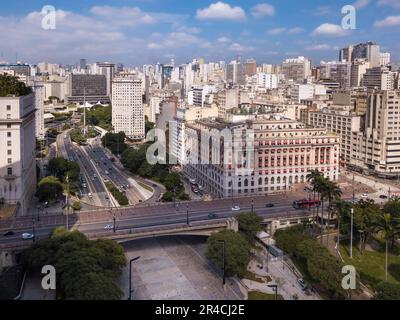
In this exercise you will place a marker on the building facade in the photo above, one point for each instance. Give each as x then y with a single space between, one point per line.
17 158
263 156
127 106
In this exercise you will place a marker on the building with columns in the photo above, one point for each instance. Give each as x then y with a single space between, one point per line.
257 157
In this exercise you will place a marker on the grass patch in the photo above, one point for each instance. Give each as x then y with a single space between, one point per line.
119 196
256 295
253 277
147 187
371 266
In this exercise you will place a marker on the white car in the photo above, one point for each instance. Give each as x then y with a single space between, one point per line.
27 236
90 195
365 195
108 227
236 208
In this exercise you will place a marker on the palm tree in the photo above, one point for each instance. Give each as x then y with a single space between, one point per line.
331 192
314 178
390 227
342 209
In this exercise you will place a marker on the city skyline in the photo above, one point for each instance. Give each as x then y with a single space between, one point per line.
147 32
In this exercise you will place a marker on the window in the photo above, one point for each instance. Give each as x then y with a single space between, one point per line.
9 143
8 108
9 152
9 161
8 125
9 171
8 134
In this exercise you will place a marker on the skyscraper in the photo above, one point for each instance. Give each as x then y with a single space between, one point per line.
296 69
107 69
127 106
17 162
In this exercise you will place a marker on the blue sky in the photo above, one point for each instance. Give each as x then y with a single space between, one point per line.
137 32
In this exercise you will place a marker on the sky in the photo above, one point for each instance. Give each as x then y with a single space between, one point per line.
137 32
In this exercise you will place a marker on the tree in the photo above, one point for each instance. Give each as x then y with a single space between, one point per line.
387 291
393 207
288 239
330 192
314 178
390 228
366 216
249 225
148 124
173 182
237 252
86 270
322 267
11 86
49 189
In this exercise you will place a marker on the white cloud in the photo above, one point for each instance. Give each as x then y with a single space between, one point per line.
321 47
359 4
223 40
323 11
155 46
236 47
388 22
328 29
295 30
221 11
263 9
276 31
390 3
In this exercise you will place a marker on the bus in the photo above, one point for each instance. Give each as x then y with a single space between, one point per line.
306 204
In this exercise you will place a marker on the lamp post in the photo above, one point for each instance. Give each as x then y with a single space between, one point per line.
130 276
114 225
351 233
223 261
252 205
33 230
187 215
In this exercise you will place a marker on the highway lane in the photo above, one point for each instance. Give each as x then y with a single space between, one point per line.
161 218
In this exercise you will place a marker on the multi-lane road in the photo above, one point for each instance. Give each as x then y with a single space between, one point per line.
154 216
96 170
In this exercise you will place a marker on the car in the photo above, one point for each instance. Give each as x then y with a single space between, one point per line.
84 185
27 236
106 172
192 181
212 216
108 227
107 198
8 234
302 284
365 195
382 196
235 208
90 195
269 205
201 188
95 176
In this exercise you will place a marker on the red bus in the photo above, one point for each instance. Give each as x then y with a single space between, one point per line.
306 204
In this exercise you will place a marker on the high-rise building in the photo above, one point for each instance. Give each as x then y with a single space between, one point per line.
83 64
251 67
385 58
369 51
267 81
377 147
358 69
339 72
296 69
17 160
235 73
107 69
89 88
127 106
39 91
379 78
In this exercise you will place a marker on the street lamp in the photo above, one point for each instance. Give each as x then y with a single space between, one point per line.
114 225
252 205
130 276
275 288
351 233
187 215
223 261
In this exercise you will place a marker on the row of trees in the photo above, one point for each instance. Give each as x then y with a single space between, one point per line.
85 270
315 260
118 195
100 116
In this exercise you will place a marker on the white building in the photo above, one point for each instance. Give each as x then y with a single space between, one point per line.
301 92
39 90
127 106
296 69
17 158
267 80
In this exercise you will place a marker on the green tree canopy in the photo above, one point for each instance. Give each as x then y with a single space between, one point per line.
10 86
249 225
237 252
49 189
387 291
